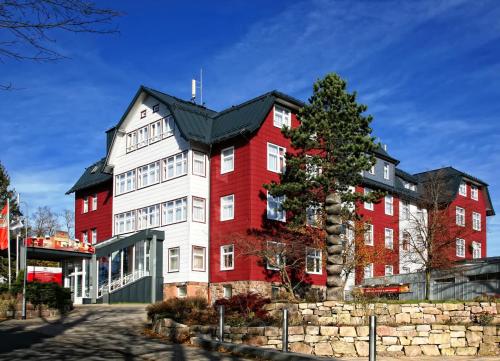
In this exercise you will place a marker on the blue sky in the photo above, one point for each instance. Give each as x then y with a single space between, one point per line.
429 72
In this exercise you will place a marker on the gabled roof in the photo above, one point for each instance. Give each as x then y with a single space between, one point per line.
382 153
450 179
406 176
93 175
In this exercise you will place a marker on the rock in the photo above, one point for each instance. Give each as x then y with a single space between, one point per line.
329 330
490 330
412 351
347 331
473 338
272 331
389 340
344 318
394 348
362 348
457 342
430 350
475 328
457 328
300 348
466 351
491 339
330 320
386 331
448 351
323 349
312 330
362 331
439 338
403 318
394 309
423 328
489 349
431 311
457 334
452 307
256 331
295 338
255 340
343 348
441 327
404 341
295 330
315 338
420 341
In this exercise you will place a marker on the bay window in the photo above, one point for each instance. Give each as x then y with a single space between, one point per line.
125 222
149 174
149 217
175 211
125 182
198 261
173 259
175 166
199 163
198 209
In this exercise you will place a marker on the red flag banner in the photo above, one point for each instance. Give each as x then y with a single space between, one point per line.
4 230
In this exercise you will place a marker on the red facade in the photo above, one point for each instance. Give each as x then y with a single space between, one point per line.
99 219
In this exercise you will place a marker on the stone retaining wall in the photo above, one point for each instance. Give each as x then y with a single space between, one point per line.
339 329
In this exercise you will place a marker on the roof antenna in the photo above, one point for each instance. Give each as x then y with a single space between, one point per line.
194 87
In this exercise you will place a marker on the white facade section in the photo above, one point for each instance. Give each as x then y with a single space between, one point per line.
184 234
412 221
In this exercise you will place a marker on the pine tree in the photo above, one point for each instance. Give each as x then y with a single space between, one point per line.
331 147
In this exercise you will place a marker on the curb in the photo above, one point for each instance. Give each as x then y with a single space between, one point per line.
253 351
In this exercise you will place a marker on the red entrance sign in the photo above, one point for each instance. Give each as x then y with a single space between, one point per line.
386 289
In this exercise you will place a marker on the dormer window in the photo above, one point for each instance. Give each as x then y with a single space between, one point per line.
143 114
372 170
281 117
156 108
386 171
474 192
463 189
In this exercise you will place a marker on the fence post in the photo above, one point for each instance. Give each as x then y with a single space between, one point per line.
221 323
284 333
373 338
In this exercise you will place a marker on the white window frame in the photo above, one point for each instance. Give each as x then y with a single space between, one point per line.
227 155
155 131
462 189
148 217
279 155
198 203
85 237
369 234
226 251
389 238
285 117
372 170
275 209
277 257
389 205
174 211
142 136
406 269
199 158
405 240
476 250
177 163
474 192
389 267
227 291
368 267
368 205
131 141
460 216
149 173
203 258
387 171
315 256
182 291
460 247
168 127
94 235
313 216
227 201
94 202
125 182
476 221
85 204
170 256
127 220
405 210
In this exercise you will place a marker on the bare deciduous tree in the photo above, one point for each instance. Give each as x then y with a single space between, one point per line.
68 217
431 233
29 27
44 222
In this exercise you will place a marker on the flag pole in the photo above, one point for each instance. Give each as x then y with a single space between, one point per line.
8 240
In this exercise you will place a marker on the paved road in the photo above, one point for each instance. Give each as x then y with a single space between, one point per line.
92 333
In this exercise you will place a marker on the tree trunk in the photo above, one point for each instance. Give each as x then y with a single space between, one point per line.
334 262
427 284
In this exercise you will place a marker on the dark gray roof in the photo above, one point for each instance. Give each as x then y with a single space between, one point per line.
382 153
406 176
450 179
92 176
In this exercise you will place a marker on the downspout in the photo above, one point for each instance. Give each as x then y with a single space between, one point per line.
209 220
